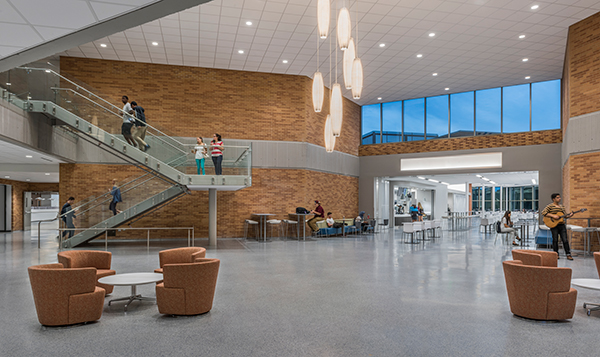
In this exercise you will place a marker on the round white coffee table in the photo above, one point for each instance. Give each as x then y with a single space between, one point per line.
588 284
133 280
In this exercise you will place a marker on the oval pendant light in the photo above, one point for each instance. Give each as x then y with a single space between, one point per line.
329 138
336 109
318 91
323 16
344 28
357 78
349 56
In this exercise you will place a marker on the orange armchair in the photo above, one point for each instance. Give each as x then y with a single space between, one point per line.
539 292
179 255
597 260
65 296
536 257
188 288
89 258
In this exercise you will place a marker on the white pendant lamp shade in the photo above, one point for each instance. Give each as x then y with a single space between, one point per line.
344 28
323 16
357 78
336 109
349 56
329 138
318 92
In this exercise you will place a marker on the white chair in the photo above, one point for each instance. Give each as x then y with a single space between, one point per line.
275 223
504 239
578 229
428 226
287 223
418 227
247 224
408 228
483 223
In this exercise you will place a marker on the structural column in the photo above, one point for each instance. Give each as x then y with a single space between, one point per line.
212 217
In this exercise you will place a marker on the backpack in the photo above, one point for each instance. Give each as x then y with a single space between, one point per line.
302 210
498 227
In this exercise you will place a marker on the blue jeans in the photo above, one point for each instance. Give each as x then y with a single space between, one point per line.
217 160
200 165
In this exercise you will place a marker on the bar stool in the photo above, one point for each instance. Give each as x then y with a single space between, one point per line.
275 223
286 223
577 229
407 228
247 224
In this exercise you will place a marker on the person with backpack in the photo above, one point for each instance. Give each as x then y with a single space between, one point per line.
506 226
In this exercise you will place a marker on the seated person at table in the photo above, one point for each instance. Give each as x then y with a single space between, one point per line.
329 220
319 213
360 223
507 227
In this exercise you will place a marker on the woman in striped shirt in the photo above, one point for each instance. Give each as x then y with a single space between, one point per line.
216 146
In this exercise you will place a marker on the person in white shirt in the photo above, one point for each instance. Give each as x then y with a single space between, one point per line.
506 226
127 121
201 152
329 220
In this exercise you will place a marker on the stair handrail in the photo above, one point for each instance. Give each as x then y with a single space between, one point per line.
130 117
79 86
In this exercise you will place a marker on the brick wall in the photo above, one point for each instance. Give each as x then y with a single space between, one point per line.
273 191
581 95
468 143
18 187
192 101
583 61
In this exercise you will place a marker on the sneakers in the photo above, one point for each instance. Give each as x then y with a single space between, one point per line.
569 257
515 243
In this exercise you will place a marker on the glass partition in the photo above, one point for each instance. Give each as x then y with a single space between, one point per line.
437 117
371 124
414 119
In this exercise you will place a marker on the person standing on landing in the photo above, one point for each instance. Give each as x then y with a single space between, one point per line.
67 214
552 211
201 153
216 146
319 213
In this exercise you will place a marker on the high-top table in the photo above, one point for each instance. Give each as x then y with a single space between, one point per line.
301 217
262 218
132 279
593 284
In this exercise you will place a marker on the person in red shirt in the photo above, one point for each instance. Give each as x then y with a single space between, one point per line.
319 216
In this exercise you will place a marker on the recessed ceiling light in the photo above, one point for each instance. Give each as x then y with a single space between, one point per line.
445 183
28 156
47 174
6 176
492 182
27 179
103 45
446 88
478 175
48 71
249 23
419 55
435 74
421 177
535 7
527 77
240 51
522 36
382 45
154 43
525 59
285 61
485 179
432 180
432 34
379 98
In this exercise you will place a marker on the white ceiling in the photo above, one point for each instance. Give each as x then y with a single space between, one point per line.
26 23
15 164
476 45
522 178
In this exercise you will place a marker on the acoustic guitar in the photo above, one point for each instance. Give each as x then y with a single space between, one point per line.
551 222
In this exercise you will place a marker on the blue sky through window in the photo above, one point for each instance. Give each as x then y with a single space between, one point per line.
461 112
437 116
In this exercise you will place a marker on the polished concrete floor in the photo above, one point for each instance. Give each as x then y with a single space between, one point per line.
364 296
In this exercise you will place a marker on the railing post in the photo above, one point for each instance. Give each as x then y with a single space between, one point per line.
148 240
106 240
39 233
189 245
193 238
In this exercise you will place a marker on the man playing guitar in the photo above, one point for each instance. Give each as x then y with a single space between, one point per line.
557 211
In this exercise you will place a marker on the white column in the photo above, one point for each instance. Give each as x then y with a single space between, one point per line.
212 217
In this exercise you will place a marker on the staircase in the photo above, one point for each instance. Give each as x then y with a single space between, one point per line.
169 165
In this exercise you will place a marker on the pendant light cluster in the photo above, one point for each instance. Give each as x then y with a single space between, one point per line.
352 70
